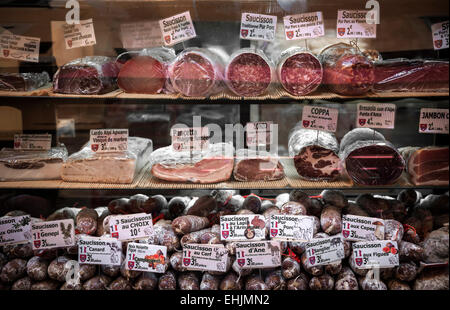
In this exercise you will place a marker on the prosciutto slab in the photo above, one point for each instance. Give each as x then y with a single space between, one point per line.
252 166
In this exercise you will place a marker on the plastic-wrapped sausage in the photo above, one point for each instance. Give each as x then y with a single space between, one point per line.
322 283
346 280
410 252
396 285
188 281
293 208
275 281
333 268
290 268
335 198
96 283
165 235
393 230
209 282
330 220
129 274
368 283
87 271
120 284
406 271
231 282
313 270
432 280
46 285
189 223
147 281
86 221
37 268
23 284
102 212
57 269
252 203
436 246
299 283
119 206
356 270
177 205
111 270
203 206
167 281
71 286
136 203
176 261
196 236
24 250
255 283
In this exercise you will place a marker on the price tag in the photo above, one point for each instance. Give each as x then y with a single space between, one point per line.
99 251
258 27
353 24
370 254
320 118
53 234
375 115
177 28
19 47
304 26
32 142
108 140
440 35
131 226
146 257
259 133
362 228
262 254
242 227
79 35
141 35
205 257
323 251
15 229
291 227
190 139
433 121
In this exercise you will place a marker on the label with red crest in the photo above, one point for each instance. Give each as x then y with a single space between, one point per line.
99 251
320 118
375 254
15 229
258 27
322 251
79 35
304 26
141 34
353 24
205 257
433 120
242 227
440 35
291 227
375 115
41 142
259 133
108 140
52 234
177 28
19 47
146 257
362 228
259 254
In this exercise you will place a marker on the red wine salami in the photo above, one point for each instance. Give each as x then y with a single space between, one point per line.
251 166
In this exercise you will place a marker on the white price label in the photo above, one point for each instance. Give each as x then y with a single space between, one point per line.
304 26
320 118
99 251
433 121
53 234
440 35
190 139
177 28
323 251
370 254
291 227
353 24
141 35
146 257
259 133
131 226
19 47
242 227
108 140
375 115
79 35
205 257
260 254
362 228
33 142
258 27
15 229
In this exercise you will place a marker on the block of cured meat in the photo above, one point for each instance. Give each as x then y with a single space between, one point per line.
249 73
369 158
112 167
315 154
299 71
32 165
196 72
253 166
91 75
146 73
23 81
346 71
212 165
404 75
427 165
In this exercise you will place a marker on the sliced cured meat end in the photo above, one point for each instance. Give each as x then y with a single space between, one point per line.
432 178
429 166
208 170
248 74
142 75
23 81
429 155
258 169
317 163
300 74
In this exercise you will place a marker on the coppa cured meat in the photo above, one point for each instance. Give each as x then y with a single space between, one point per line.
315 154
209 166
346 70
369 158
249 73
427 165
23 81
299 72
252 166
91 75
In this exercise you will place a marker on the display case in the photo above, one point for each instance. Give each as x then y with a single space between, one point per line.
136 133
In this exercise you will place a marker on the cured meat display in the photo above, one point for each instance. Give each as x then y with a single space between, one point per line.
91 75
346 71
427 165
253 166
147 72
112 167
249 73
404 75
23 81
370 159
196 72
32 165
299 71
212 165
315 154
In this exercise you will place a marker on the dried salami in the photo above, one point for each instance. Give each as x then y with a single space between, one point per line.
189 223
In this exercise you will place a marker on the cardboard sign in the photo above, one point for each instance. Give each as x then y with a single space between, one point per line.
242 227
303 26
79 35
141 35
205 257
190 139
353 24
131 226
177 28
99 251
291 227
15 229
146 257
258 27
433 121
33 142
362 228
108 140
260 254
53 234
320 118
375 115
19 47
323 251
259 133
440 35
370 254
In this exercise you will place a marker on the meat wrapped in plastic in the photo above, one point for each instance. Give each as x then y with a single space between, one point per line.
257 166
23 81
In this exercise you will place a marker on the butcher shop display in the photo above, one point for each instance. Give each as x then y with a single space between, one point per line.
251 165
23 81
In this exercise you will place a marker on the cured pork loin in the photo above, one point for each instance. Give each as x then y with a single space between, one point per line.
253 166
315 154
427 165
91 75
369 158
212 165
23 81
